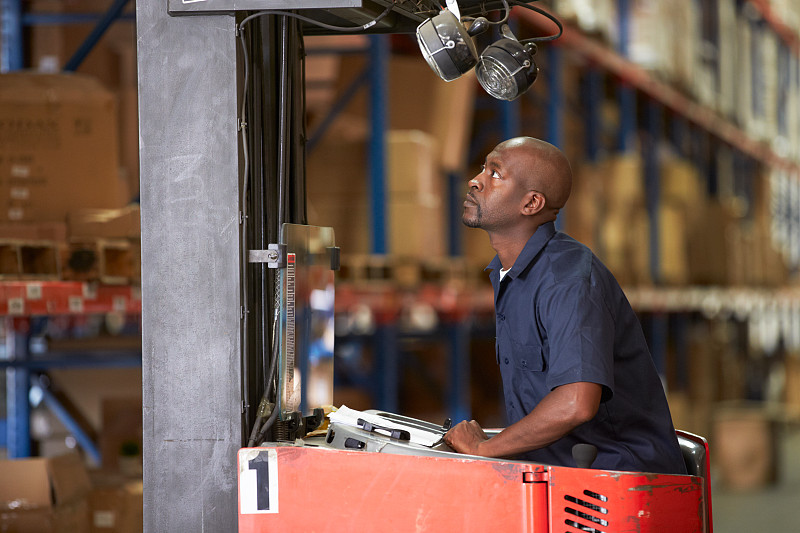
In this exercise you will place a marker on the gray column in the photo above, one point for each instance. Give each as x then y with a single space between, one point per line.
190 269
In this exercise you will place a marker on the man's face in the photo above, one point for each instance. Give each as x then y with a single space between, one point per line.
495 194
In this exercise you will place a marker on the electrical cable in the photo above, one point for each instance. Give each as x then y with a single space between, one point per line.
507 13
259 430
546 15
324 25
243 225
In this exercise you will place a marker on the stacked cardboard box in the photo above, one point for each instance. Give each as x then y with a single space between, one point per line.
418 99
625 231
58 147
745 447
112 61
44 495
338 194
115 505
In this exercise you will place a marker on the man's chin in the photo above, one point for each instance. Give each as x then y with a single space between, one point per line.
471 222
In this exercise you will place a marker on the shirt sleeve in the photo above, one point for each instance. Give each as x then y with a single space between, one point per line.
580 333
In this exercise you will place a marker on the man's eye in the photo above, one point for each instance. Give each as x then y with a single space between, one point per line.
495 174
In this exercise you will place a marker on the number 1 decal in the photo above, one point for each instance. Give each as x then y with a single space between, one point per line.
258 481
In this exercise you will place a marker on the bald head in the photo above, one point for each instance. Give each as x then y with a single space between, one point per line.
541 167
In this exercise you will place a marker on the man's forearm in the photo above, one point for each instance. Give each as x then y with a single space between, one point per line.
561 411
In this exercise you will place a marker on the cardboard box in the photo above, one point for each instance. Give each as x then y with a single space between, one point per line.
44 495
708 247
115 505
416 230
673 245
625 247
34 231
745 447
583 209
337 184
419 100
623 183
413 170
59 147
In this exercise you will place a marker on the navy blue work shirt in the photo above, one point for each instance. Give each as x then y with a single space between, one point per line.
562 318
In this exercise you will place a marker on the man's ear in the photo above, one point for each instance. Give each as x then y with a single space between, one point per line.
533 203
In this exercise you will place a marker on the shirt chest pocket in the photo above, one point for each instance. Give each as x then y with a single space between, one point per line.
519 356
527 357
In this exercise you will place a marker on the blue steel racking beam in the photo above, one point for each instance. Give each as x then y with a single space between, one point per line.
64 416
627 94
18 428
11 57
86 46
378 55
555 109
592 101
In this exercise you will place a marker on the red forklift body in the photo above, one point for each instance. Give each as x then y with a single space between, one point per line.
317 489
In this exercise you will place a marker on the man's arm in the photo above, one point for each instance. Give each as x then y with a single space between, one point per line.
562 410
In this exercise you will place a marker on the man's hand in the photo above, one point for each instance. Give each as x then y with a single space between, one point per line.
466 437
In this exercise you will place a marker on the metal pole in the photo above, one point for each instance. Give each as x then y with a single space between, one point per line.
11 56
63 415
592 100
18 378
455 195
99 30
555 114
191 269
458 401
627 95
388 362
378 56
652 180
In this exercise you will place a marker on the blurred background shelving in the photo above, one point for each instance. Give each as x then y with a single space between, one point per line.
681 120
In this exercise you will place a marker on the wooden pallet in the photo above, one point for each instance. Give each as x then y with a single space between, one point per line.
402 271
29 260
109 261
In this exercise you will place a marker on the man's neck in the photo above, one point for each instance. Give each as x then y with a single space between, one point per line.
509 244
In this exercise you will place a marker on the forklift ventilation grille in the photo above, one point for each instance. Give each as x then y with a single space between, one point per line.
586 511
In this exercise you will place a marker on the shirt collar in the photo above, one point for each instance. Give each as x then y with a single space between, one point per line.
538 240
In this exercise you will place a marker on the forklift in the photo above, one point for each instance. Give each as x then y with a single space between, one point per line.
304 466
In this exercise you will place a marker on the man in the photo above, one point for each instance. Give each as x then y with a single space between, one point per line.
572 355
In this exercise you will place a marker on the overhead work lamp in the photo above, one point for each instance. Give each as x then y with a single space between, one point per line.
505 69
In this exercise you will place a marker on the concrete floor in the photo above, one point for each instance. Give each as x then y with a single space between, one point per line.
774 508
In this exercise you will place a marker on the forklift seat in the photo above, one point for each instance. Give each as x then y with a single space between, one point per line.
695 453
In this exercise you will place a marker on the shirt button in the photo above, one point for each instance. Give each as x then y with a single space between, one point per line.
506 360
524 362
501 317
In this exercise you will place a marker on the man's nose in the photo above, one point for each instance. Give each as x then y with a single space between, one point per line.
474 183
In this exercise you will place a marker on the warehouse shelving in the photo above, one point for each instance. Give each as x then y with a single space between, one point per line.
662 102
13 20
26 306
